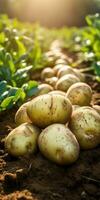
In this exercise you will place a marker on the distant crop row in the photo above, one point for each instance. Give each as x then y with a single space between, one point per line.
23 47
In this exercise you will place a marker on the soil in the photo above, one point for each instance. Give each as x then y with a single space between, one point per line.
35 178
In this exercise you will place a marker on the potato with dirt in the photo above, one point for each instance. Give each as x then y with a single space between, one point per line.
58 92
57 67
79 74
97 108
66 81
58 144
80 94
47 73
66 69
21 115
51 81
48 109
44 89
85 124
22 140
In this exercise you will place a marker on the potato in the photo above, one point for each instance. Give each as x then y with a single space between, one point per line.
47 109
66 81
44 89
57 143
80 94
22 140
58 92
57 67
52 81
21 115
60 61
80 75
85 124
66 69
97 108
47 73
74 107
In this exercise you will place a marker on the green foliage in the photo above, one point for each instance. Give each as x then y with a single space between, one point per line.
23 47
86 42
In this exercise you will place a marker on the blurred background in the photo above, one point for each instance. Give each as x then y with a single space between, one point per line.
51 13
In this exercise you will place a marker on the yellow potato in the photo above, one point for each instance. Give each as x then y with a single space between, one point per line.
66 69
47 73
44 89
80 75
66 81
97 108
57 92
21 115
80 94
57 67
60 61
22 140
52 81
47 109
85 124
58 143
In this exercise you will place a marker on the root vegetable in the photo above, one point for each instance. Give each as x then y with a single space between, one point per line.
47 109
66 81
61 61
85 124
47 73
44 89
22 140
97 108
52 81
58 92
21 115
57 67
66 69
80 94
57 143
80 75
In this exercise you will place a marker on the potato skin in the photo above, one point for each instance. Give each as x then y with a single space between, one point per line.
66 81
57 143
97 108
22 140
61 61
48 109
57 67
44 89
80 75
80 94
85 124
57 92
21 115
66 69
47 73
52 81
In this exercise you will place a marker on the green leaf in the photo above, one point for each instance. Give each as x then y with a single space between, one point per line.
97 68
2 38
21 47
30 88
9 62
3 86
4 95
20 72
7 103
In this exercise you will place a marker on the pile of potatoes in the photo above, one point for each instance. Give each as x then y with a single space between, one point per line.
59 120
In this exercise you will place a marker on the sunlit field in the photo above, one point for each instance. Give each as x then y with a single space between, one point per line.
49 100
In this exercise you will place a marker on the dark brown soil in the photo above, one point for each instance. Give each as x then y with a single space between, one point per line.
36 178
